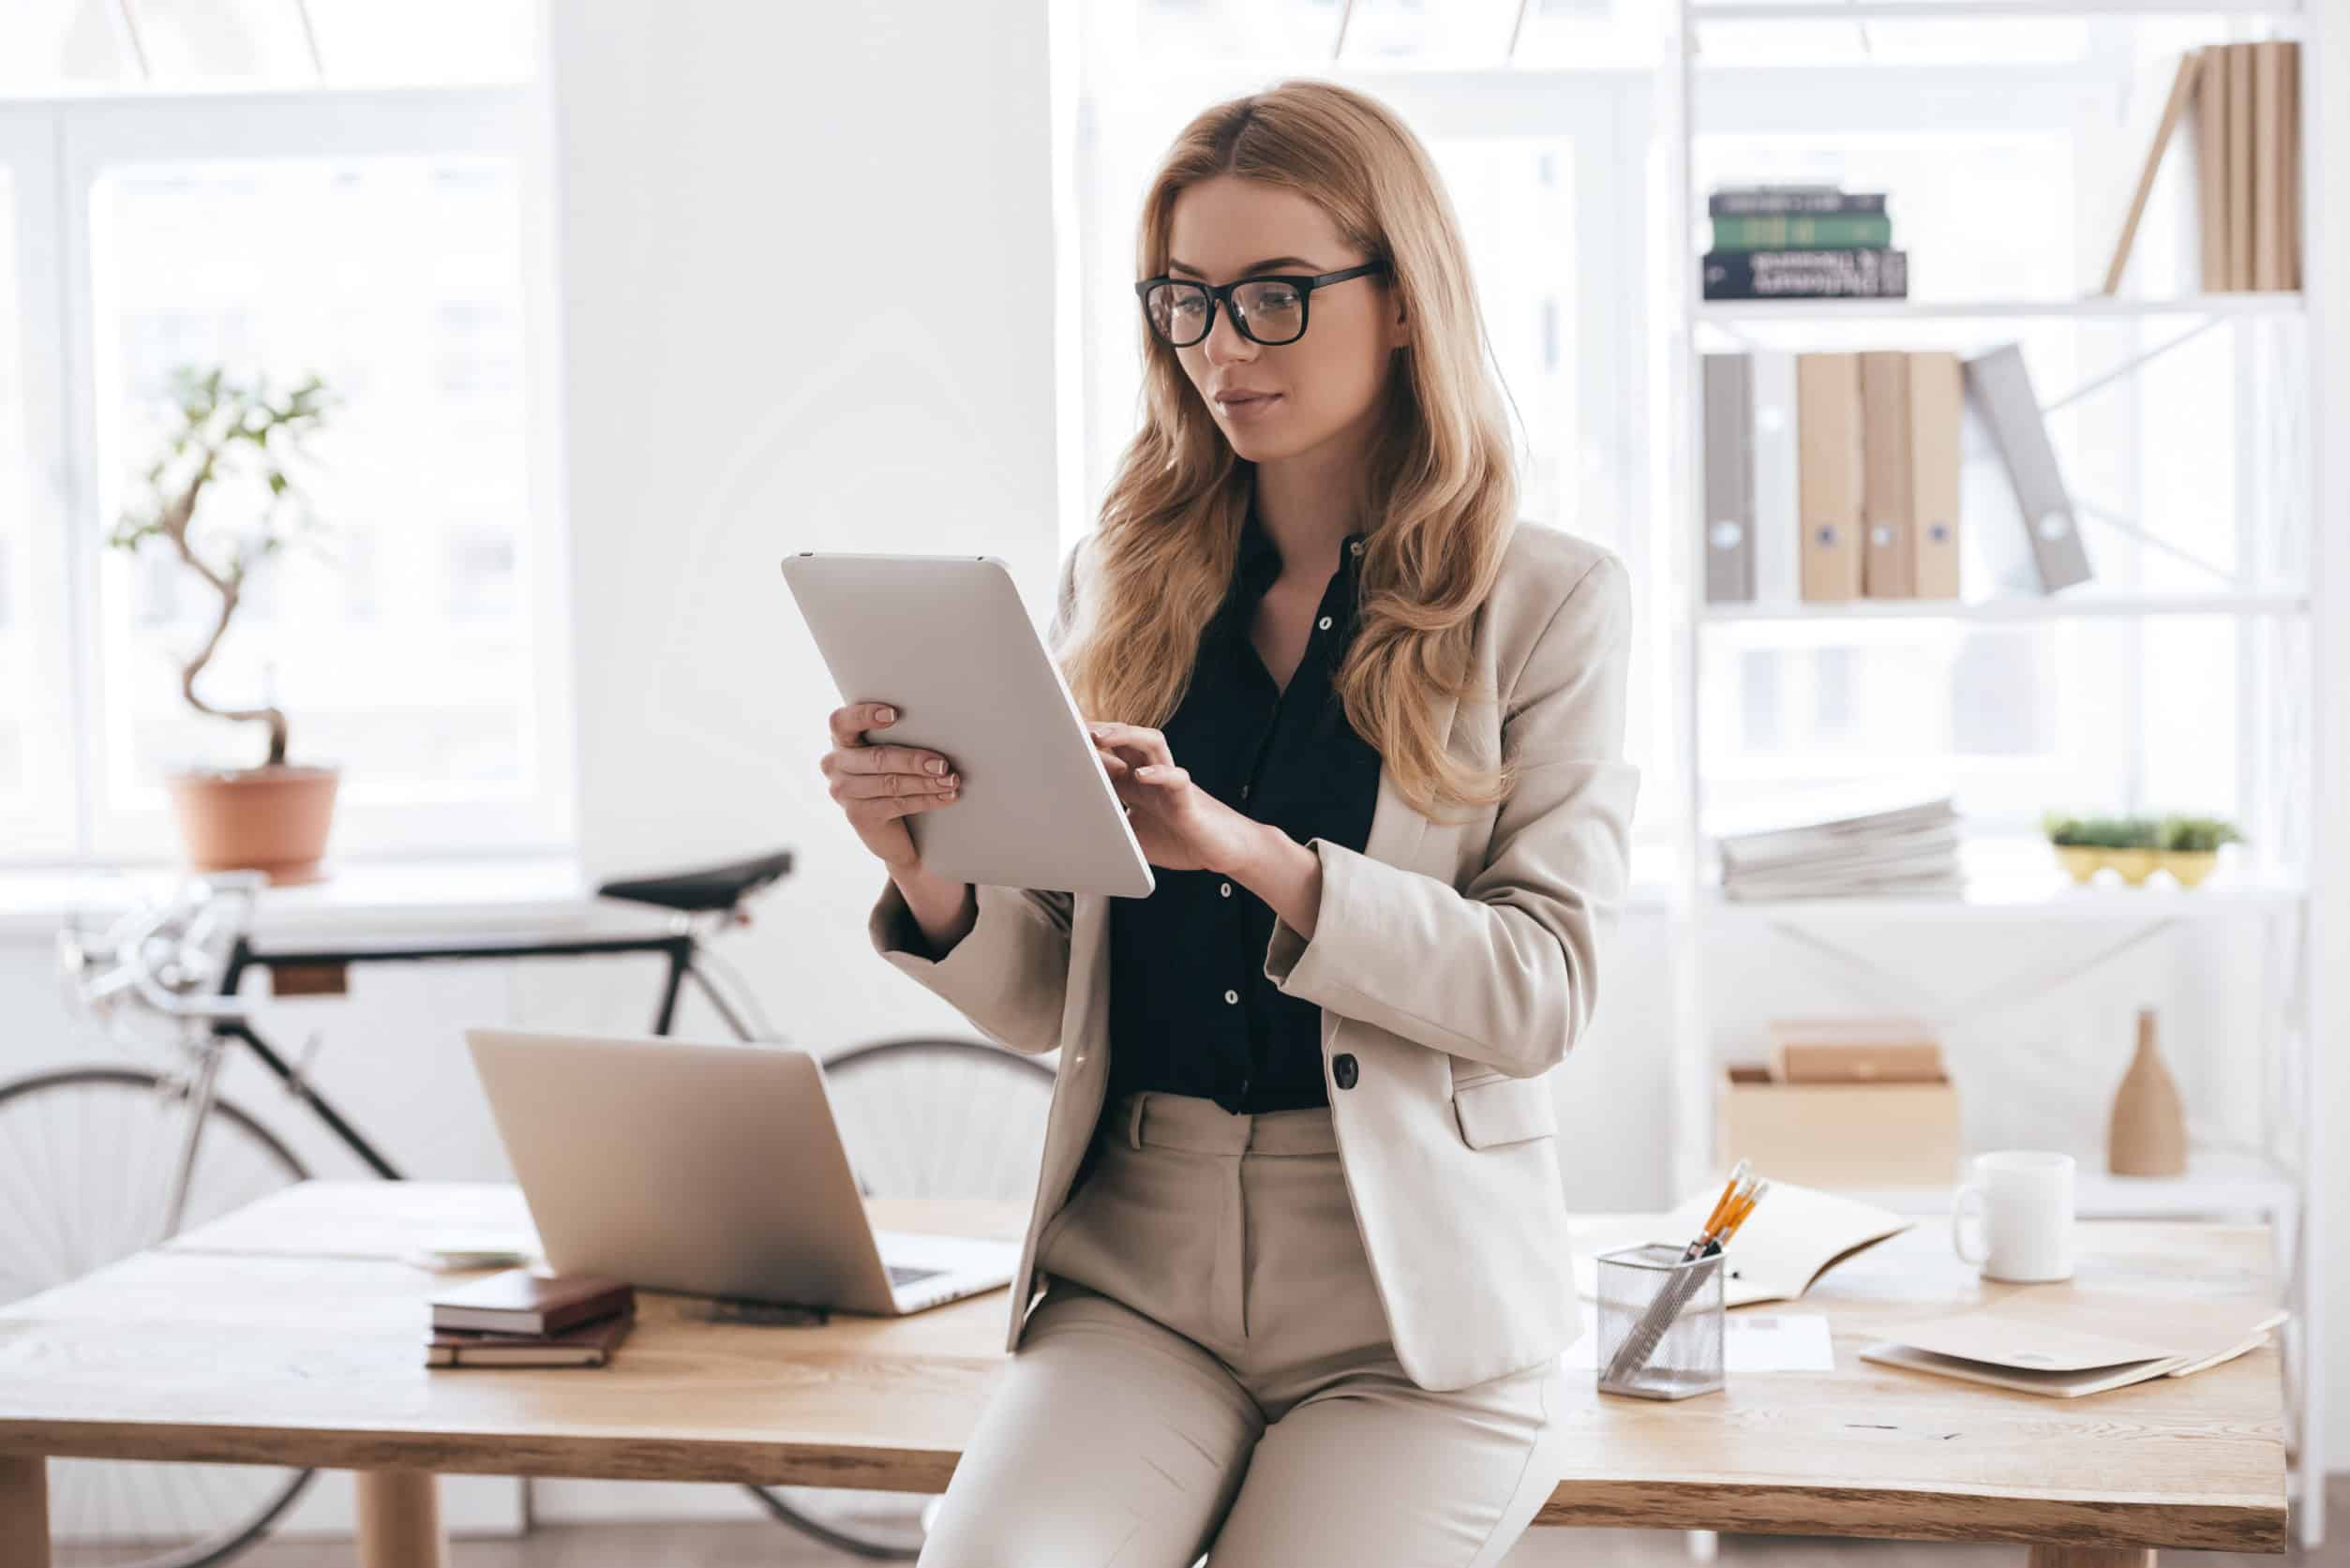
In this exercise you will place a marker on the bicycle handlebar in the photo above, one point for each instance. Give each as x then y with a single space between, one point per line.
128 956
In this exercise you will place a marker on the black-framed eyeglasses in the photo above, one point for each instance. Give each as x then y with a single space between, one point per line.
1270 310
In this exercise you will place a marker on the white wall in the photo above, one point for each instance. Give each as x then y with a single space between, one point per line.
807 257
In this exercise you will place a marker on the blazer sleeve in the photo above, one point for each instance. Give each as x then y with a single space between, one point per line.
1008 974
1506 971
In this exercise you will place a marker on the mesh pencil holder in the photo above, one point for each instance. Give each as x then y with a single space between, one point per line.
1660 1323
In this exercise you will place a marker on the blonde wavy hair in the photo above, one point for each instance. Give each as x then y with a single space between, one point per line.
1441 483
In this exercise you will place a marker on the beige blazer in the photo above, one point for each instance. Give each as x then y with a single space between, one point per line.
1455 965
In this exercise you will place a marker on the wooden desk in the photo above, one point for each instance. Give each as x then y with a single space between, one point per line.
289 1333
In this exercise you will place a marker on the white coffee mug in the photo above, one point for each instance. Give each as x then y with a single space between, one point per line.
2021 1199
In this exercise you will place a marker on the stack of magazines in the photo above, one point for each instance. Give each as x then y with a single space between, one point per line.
1903 852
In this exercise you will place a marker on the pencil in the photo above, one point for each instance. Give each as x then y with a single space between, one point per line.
1722 1207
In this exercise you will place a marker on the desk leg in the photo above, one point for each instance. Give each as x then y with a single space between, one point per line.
2092 1557
399 1520
23 1511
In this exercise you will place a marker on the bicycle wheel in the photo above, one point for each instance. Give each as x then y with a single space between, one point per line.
940 1118
87 1159
921 1118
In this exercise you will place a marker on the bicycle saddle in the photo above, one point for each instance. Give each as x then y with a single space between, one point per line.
707 887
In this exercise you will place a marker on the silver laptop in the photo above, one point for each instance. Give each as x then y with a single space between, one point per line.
711 1169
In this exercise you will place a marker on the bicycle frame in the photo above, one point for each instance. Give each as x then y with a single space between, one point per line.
679 948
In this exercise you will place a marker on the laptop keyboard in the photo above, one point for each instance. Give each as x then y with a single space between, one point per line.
905 1274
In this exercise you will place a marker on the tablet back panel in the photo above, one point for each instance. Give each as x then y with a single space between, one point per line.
946 641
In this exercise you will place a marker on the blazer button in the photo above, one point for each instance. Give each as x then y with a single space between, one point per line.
1342 1068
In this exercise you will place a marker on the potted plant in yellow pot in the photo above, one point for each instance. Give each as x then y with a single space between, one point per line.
233 450
2189 846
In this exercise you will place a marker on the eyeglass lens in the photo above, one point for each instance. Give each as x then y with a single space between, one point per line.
1269 312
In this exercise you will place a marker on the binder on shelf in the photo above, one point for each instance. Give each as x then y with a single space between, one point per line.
2292 111
2211 168
2268 134
1889 562
1828 462
2001 390
2181 91
1729 520
1777 514
2239 58
1936 399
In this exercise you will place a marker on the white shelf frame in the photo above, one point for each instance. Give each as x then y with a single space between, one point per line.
2018 608
2274 1181
2250 302
1971 10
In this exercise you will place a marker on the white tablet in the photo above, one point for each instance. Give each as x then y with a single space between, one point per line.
946 641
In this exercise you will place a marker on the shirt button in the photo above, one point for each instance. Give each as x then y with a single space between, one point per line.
1324 623
1225 889
1232 997
1244 792
1355 548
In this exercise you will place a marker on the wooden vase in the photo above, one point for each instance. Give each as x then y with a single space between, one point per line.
2148 1135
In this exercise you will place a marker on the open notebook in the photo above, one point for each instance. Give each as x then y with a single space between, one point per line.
1795 1235
2068 1342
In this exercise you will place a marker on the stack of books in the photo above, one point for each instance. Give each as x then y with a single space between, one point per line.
1906 851
1802 242
519 1317
2244 100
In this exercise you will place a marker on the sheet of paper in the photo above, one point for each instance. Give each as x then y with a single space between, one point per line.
1751 1342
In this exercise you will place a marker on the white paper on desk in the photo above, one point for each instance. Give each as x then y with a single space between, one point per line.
1751 1342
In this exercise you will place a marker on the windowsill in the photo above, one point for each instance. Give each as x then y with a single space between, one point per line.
547 891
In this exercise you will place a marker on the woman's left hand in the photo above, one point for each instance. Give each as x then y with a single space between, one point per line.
1179 826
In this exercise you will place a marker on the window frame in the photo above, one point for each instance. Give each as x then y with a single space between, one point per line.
78 139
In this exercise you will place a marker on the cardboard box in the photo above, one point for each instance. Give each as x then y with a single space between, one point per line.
1837 1135
1854 1049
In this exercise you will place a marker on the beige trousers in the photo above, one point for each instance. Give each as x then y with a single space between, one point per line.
1209 1370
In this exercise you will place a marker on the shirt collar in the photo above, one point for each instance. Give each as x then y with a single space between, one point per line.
1258 553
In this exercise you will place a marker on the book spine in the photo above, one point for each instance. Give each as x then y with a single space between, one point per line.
1735 274
1766 201
1804 232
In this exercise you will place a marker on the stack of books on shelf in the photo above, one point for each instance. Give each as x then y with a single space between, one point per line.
2245 100
523 1318
1835 477
1905 851
1802 242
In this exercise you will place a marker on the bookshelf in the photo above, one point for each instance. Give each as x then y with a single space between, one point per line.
2280 675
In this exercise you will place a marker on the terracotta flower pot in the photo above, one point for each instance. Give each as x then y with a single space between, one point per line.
268 819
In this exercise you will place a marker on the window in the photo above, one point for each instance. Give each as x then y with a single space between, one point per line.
375 229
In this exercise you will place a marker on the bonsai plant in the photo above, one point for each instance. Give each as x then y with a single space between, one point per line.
230 437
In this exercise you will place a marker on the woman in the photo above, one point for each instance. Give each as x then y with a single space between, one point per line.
1299 1224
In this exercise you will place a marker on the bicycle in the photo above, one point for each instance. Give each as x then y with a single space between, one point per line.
158 1152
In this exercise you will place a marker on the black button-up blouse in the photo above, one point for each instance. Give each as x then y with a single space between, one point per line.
1191 1009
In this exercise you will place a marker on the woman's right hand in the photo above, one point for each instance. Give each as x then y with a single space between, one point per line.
879 786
